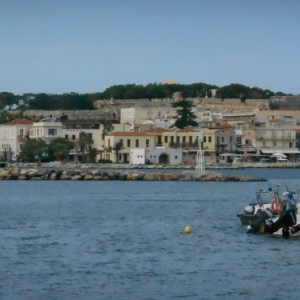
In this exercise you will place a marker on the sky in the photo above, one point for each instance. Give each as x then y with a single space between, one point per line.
86 46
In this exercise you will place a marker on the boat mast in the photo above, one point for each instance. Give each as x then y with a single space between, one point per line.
200 165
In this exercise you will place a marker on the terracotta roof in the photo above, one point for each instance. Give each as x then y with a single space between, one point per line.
222 126
126 133
188 129
158 130
21 121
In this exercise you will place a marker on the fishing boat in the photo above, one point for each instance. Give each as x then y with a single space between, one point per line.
279 217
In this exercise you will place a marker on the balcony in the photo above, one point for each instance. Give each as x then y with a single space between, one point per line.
22 137
190 146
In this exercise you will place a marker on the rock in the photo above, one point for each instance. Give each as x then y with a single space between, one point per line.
153 177
4 174
65 176
88 177
76 177
53 176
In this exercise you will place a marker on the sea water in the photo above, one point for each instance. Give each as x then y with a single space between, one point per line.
126 240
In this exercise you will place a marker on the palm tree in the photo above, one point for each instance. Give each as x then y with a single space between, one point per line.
117 148
84 142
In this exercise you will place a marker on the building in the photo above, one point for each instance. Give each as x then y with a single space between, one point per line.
129 140
138 116
12 136
158 155
277 135
47 129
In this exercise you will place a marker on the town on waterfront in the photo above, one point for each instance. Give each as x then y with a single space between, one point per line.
153 132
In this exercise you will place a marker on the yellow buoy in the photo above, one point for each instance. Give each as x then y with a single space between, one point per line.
188 229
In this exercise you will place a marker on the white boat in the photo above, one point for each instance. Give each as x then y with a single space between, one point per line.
279 217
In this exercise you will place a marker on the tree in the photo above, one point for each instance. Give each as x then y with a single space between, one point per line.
92 155
107 128
84 142
34 148
59 148
185 115
118 146
7 99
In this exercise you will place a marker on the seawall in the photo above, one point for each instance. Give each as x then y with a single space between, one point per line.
76 174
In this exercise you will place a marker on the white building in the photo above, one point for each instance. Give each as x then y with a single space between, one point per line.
46 129
158 155
12 136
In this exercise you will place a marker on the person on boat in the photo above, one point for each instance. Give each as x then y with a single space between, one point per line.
286 220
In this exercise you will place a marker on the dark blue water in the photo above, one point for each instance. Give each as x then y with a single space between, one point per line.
126 240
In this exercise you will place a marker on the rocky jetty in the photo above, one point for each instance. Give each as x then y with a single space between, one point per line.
93 174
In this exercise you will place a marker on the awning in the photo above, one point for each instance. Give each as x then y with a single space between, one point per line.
284 151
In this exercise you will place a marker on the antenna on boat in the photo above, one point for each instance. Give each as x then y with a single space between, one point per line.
200 165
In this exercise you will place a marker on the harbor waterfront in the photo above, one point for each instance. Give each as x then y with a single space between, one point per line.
126 240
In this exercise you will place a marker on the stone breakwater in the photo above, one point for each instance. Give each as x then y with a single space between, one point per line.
59 174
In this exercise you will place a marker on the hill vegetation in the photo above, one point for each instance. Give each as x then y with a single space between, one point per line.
75 101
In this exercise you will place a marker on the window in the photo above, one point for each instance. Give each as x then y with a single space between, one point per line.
137 143
21 132
52 132
204 139
190 139
209 139
231 139
172 139
183 139
66 137
21 147
175 156
121 141
147 142
274 144
222 139
73 137
166 139
128 143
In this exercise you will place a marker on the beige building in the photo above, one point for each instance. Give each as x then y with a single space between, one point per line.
140 115
278 114
188 139
276 136
137 140
12 136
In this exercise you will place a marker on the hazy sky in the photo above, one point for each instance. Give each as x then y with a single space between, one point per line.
61 46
